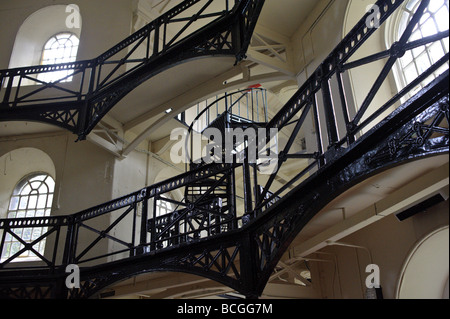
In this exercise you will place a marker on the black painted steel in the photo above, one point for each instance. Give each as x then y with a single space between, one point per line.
99 84
205 235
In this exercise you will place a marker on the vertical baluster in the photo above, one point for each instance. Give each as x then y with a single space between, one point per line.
266 107
83 75
16 97
257 106
208 115
7 95
153 226
149 32
100 66
318 132
344 104
133 232
247 180
144 225
71 242
2 243
256 188
55 247
217 106
165 22
232 198
330 116
157 25
253 107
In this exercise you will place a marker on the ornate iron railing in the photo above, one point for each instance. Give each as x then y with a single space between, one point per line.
191 29
206 232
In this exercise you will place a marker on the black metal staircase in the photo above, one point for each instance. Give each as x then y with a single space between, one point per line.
97 85
206 233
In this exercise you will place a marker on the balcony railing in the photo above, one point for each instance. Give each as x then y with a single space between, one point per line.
224 207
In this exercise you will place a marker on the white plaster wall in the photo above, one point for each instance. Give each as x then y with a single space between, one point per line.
83 175
104 23
389 242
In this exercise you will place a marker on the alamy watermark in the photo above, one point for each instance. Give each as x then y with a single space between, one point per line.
373 19
73 19
257 146
373 279
73 279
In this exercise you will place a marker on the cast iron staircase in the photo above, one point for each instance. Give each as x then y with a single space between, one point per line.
97 85
205 234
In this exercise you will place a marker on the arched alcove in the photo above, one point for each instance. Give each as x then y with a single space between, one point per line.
425 271
37 29
17 164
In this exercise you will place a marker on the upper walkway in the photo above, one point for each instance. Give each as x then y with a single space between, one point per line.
208 233
87 90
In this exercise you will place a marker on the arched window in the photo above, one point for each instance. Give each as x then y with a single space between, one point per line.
32 197
418 60
37 30
60 48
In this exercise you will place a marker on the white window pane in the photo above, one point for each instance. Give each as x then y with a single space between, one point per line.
410 74
26 236
423 63
445 42
30 213
32 201
424 18
49 200
26 190
15 247
42 201
23 202
436 52
6 250
442 19
14 203
429 28
50 183
435 5
35 185
21 214
43 188
48 46
40 213
407 58
37 232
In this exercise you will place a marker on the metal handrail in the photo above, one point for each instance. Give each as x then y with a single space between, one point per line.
228 110
302 102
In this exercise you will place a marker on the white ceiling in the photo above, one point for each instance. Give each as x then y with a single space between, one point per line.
286 16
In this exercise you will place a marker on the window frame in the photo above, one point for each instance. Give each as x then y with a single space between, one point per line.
392 36
60 76
29 234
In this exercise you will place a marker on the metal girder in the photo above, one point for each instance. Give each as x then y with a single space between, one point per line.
206 238
244 258
272 50
97 85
